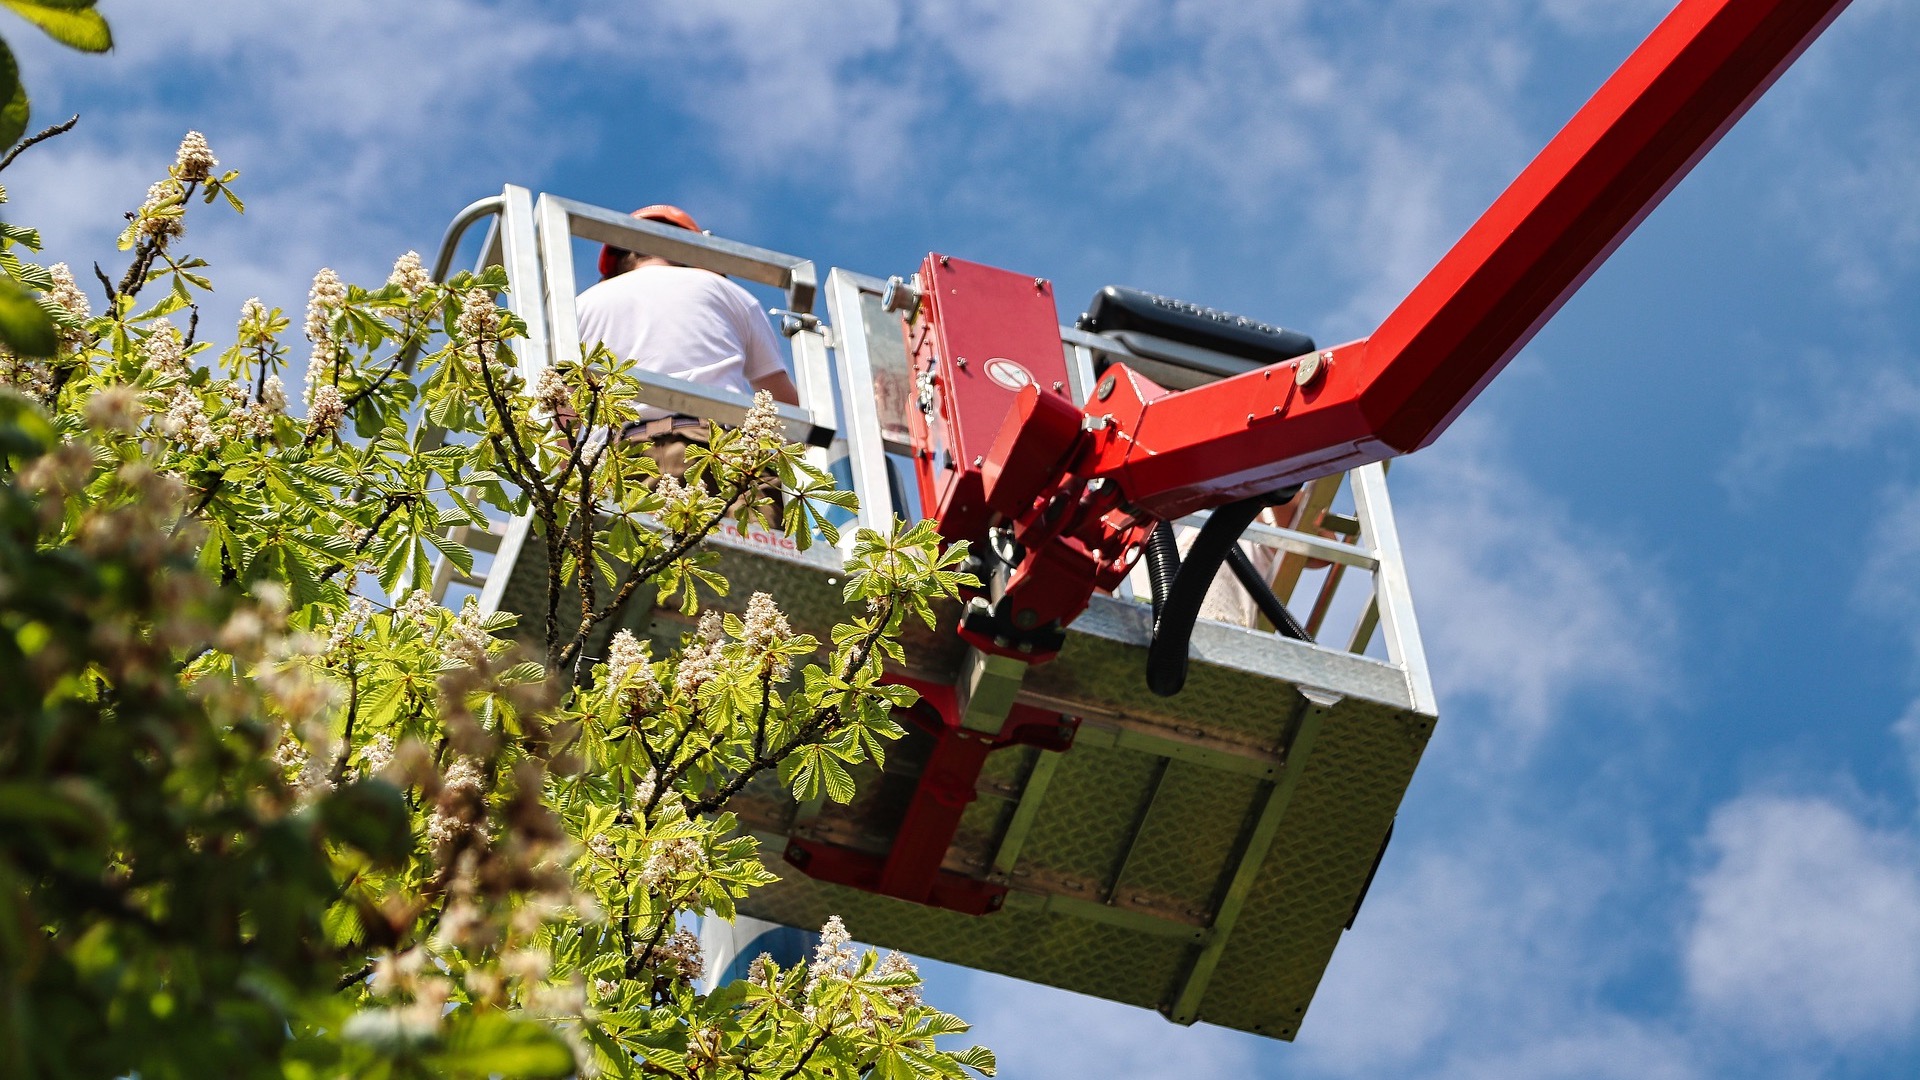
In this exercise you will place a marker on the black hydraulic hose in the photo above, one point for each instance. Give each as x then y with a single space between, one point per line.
1180 605
1262 593
1163 564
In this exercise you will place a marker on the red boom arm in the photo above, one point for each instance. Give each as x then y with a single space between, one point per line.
1079 488
998 442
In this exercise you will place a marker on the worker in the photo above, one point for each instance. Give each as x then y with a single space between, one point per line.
685 322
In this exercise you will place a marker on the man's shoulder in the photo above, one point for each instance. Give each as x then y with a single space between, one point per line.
684 281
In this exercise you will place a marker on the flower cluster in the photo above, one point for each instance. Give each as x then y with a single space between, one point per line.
763 424
409 276
165 352
326 299
630 671
325 409
764 628
701 660
479 319
467 639
550 392
195 161
66 296
679 954
833 956
159 217
677 857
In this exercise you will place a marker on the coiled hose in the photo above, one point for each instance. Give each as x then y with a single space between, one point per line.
1180 585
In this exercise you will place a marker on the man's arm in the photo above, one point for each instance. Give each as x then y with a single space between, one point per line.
763 354
779 384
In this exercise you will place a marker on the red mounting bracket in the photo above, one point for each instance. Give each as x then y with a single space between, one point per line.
911 868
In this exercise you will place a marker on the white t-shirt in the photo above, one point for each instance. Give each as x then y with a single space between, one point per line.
685 322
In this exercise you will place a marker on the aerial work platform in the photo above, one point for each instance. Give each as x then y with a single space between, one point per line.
1090 796
1200 854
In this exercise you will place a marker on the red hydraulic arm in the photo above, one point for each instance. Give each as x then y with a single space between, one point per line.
1080 486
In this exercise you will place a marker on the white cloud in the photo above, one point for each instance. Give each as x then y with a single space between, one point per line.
1521 607
1806 417
1889 581
339 129
1844 128
1035 51
1907 732
782 87
1807 924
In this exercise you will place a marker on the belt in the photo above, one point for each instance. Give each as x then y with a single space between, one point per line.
653 429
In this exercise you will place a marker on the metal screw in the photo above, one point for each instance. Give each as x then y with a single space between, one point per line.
943 260
1058 386
1040 283
1105 389
979 461
960 361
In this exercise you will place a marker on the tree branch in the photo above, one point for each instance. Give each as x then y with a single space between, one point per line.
57 129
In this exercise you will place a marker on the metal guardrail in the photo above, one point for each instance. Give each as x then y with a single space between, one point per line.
850 367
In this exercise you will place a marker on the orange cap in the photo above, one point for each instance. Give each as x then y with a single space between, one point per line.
671 215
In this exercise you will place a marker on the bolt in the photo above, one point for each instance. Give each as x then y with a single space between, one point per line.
978 461
1105 390
1040 283
960 361
943 260
1026 618
1058 386
1308 368
901 297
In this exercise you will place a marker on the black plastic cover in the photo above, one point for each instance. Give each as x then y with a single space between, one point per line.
1117 308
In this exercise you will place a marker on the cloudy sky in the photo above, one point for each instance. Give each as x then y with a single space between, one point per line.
1667 568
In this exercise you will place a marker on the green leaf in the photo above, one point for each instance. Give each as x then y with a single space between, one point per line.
68 22
459 553
979 1058
25 327
13 114
493 1044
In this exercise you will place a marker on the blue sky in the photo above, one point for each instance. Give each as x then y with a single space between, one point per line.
1666 567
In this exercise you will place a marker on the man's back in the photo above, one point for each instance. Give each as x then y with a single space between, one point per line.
680 321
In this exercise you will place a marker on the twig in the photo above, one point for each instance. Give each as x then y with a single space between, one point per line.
57 129
339 771
818 1041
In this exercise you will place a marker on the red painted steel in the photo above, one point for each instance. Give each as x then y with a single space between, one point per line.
947 784
981 335
1396 390
1165 455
